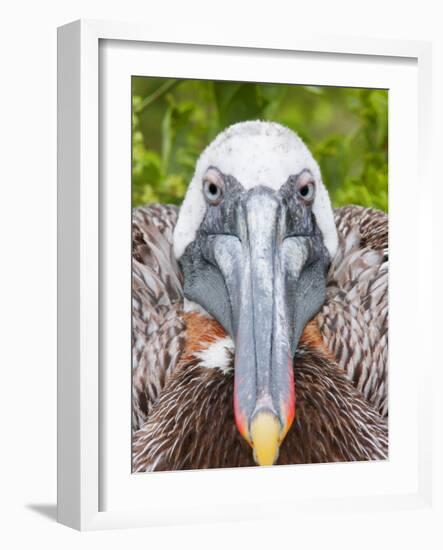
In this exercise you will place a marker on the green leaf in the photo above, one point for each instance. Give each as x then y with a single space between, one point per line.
173 120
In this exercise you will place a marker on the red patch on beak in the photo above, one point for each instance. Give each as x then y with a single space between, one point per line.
288 406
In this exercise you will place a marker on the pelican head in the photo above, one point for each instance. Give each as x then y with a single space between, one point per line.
254 239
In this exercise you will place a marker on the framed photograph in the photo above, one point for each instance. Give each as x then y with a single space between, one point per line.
239 225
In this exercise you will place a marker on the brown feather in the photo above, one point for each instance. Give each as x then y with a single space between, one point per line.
201 331
354 318
157 297
186 429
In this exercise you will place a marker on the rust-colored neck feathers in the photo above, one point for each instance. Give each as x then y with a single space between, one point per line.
202 331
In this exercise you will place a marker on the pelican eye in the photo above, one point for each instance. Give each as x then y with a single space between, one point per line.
306 187
213 187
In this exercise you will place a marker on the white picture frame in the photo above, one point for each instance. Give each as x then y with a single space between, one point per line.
96 491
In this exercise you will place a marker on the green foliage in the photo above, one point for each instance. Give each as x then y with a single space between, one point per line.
173 120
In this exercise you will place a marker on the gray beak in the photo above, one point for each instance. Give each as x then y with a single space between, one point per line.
262 272
263 280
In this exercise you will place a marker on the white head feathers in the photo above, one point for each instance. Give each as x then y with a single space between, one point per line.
255 153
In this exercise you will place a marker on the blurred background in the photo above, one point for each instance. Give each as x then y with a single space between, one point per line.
346 130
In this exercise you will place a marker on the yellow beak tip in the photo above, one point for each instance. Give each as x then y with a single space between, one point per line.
265 435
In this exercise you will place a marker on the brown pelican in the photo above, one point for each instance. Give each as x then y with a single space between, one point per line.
259 315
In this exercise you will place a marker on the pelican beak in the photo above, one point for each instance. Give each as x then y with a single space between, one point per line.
263 282
264 394
276 283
